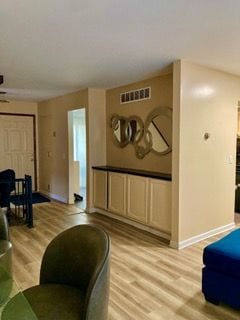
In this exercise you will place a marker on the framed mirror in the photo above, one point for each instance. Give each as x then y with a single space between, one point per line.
155 135
126 130
134 129
119 125
158 130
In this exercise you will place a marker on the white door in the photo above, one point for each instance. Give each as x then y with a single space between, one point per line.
17 145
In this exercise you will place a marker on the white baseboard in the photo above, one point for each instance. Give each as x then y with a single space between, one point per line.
92 210
135 224
205 235
54 196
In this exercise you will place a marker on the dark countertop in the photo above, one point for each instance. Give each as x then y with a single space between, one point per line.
144 173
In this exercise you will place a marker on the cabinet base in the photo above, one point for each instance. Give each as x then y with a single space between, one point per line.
161 234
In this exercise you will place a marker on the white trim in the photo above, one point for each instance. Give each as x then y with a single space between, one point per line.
205 235
135 224
91 210
54 196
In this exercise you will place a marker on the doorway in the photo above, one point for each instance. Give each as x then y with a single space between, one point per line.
237 180
77 157
18 144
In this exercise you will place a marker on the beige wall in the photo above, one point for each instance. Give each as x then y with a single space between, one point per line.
161 87
96 141
19 107
53 140
238 122
204 170
176 151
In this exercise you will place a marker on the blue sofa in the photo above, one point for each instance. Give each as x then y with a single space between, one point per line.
221 274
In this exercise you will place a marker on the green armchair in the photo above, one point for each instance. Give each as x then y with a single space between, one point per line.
5 259
4 232
74 277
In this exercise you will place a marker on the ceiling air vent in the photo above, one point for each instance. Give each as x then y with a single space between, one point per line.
135 95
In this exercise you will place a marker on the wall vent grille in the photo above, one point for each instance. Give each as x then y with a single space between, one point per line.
135 95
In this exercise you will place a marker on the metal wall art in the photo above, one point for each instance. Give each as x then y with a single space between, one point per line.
155 135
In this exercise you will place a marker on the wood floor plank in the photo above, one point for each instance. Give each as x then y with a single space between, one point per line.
149 280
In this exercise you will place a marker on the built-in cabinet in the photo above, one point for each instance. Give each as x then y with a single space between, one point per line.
159 209
117 193
138 198
100 183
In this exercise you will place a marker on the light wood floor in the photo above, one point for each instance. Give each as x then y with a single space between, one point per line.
149 280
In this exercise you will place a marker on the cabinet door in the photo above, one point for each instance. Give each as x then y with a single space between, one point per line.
137 198
100 189
117 193
159 211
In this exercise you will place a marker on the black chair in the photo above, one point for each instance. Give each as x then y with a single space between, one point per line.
19 193
74 278
7 185
22 199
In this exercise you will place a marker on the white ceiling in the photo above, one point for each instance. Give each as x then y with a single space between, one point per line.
51 47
